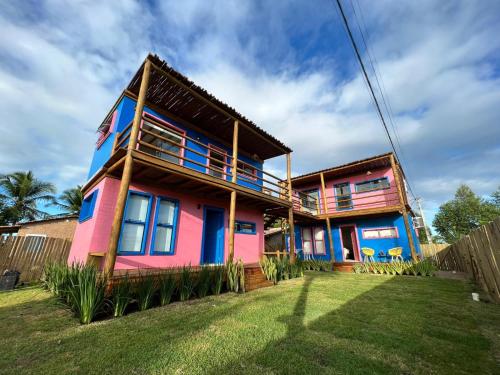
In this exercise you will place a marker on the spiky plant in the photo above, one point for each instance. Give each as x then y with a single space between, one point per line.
186 283
217 279
146 288
121 296
86 293
203 282
167 288
241 275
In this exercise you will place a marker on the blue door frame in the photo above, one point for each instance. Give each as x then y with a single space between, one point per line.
212 242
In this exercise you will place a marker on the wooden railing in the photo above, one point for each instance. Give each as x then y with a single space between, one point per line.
173 145
304 202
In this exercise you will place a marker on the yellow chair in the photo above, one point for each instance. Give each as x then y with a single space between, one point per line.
368 253
396 253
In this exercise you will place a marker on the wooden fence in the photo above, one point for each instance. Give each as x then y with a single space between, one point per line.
28 255
430 250
478 255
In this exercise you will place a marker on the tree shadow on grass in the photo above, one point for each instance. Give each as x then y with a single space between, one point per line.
389 329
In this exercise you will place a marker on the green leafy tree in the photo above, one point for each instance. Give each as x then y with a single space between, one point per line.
70 201
467 211
21 193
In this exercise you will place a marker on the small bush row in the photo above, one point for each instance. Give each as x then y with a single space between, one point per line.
318 265
414 268
83 289
280 268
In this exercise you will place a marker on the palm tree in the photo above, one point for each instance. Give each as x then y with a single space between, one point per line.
21 193
71 200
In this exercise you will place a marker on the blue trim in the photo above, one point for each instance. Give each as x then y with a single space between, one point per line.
205 208
254 227
373 179
173 226
336 196
88 205
146 224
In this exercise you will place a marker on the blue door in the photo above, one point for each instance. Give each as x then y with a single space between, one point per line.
212 251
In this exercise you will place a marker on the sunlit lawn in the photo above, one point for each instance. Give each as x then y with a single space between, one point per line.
324 323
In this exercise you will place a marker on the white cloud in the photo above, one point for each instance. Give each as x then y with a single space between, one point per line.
280 64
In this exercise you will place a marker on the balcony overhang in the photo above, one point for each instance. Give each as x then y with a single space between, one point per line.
173 92
154 171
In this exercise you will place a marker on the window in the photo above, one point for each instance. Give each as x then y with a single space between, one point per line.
245 227
165 137
377 184
217 167
343 196
106 128
163 240
247 171
309 201
319 241
88 205
313 240
34 242
135 219
374 233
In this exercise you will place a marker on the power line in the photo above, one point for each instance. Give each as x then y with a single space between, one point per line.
381 86
369 84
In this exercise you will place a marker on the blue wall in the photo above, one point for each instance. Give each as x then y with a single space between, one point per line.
379 245
126 114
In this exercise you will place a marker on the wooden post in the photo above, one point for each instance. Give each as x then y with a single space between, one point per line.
109 264
404 211
234 179
291 225
328 225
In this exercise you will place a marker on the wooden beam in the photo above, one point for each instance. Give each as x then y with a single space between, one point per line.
234 179
109 264
213 105
290 210
402 201
325 210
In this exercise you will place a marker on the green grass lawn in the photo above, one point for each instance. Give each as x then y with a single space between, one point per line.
323 323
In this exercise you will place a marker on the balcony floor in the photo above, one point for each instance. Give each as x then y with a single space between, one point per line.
153 171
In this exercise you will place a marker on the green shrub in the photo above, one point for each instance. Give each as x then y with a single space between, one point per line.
186 283
203 283
121 297
268 268
235 275
217 279
166 288
85 292
146 288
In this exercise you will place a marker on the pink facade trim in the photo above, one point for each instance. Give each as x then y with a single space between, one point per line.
111 128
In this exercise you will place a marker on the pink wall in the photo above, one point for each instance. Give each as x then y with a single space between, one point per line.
365 200
94 234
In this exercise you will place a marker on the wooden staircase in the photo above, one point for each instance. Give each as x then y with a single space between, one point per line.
254 278
344 266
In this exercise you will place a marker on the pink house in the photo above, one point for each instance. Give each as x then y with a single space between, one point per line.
177 178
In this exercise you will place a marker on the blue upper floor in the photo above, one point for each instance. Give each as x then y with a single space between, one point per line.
198 146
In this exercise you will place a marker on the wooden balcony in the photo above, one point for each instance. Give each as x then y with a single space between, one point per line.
163 158
355 204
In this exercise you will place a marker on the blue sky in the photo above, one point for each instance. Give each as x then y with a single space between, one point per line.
285 64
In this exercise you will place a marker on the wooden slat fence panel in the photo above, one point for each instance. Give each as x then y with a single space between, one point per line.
477 254
28 255
430 250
